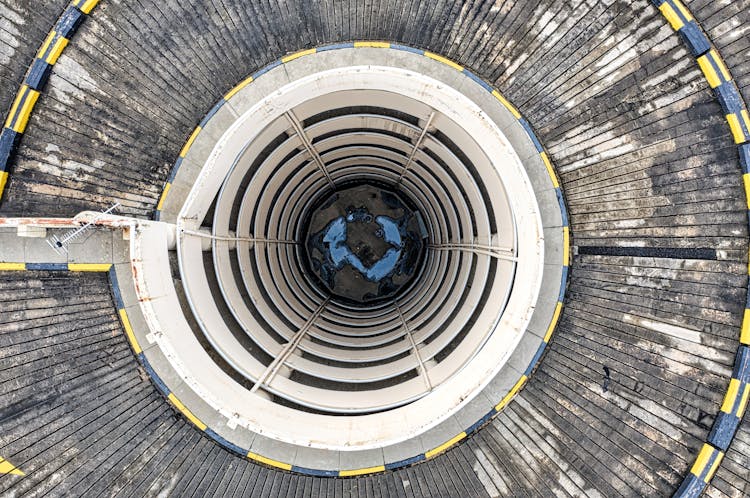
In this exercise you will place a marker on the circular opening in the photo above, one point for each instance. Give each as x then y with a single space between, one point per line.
365 246
364 243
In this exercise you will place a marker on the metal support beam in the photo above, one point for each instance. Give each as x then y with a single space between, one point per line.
421 366
309 146
287 350
239 239
503 253
417 145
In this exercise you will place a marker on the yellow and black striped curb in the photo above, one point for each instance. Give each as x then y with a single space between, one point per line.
36 79
735 400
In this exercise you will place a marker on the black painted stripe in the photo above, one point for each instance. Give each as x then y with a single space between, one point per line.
650 252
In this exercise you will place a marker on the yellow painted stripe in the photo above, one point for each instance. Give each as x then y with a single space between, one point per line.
668 12
566 246
3 181
359 472
708 70
745 331
514 390
703 458
746 180
734 125
269 461
24 112
88 6
129 331
16 103
239 87
442 59
178 404
686 13
445 445
89 266
507 104
299 54
190 141
163 196
714 466
12 266
8 468
373 44
722 67
57 49
731 396
550 171
743 401
553 323
46 44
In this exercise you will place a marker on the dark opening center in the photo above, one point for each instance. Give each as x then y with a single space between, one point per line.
364 243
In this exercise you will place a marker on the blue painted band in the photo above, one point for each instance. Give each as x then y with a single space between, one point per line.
478 80
532 136
741 369
535 359
315 472
723 430
564 280
264 70
405 462
691 487
745 157
47 266
695 39
729 98
174 170
211 113
119 304
8 141
160 385
479 423
38 74
561 203
406 48
226 444
69 22
336 46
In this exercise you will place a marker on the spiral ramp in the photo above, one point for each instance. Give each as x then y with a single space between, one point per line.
640 385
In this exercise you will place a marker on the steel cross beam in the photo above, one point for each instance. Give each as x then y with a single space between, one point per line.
417 145
407 332
503 253
272 369
309 146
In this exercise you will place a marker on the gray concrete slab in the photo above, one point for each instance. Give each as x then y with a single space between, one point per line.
474 410
547 301
553 245
276 450
525 351
314 458
120 247
440 434
352 460
140 327
94 247
12 247
402 451
38 251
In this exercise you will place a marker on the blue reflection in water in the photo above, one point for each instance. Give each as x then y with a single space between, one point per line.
338 250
